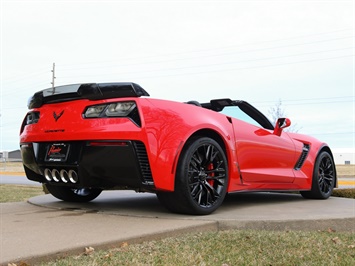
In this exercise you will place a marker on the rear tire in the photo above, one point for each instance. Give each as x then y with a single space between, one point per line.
73 194
323 180
201 179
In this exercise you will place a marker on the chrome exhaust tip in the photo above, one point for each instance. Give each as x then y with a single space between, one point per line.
64 176
73 176
56 175
48 174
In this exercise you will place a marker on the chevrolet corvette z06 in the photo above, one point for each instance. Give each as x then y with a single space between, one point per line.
84 138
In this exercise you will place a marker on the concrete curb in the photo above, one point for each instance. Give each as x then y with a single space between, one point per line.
48 228
40 258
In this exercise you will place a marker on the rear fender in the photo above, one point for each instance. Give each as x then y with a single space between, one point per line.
168 128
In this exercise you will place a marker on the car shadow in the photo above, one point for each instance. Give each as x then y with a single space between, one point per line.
129 203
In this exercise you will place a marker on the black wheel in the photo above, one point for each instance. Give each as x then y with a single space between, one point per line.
73 194
323 180
201 178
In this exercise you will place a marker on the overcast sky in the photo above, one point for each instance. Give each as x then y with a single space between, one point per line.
299 52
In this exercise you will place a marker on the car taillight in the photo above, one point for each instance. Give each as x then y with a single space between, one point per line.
119 109
94 111
30 118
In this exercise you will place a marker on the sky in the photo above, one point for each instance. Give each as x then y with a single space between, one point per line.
299 53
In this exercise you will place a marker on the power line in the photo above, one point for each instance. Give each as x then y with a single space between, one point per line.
212 71
311 99
213 55
224 63
224 47
71 66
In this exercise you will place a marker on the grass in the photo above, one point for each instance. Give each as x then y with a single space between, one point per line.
234 247
344 193
345 170
16 193
11 167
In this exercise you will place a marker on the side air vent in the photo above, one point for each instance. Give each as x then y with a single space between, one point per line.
303 157
143 163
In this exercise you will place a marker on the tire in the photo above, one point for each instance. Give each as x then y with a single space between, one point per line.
73 194
201 179
323 180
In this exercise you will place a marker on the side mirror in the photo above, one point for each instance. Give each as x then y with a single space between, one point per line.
281 123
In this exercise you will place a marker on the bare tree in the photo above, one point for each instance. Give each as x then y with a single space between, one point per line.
277 111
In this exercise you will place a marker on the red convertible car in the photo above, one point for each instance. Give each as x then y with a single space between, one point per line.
81 139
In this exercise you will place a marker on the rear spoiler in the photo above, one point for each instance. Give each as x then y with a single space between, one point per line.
91 91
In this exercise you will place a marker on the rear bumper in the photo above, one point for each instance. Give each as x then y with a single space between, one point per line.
101 164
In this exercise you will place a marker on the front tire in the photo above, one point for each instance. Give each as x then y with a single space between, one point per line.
73 194
201 179
323 180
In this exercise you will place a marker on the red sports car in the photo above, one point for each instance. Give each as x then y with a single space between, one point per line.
81 139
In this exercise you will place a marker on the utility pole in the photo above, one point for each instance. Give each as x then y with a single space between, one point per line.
53 77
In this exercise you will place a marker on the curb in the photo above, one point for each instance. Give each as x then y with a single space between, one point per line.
207 226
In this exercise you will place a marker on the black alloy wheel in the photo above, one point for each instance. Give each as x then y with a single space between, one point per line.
324 178
201 178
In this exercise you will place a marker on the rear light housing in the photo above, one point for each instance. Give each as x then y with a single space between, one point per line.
30 118
110 110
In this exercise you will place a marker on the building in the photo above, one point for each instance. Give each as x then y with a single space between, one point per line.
344 156
10 156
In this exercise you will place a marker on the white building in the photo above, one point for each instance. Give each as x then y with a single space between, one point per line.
344 156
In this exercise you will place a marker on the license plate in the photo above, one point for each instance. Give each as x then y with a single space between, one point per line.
57 152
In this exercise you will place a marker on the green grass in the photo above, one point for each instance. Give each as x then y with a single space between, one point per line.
234 247
344 193
16 193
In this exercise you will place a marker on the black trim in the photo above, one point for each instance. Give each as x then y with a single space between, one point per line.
219 104
143 161
98 164
303 157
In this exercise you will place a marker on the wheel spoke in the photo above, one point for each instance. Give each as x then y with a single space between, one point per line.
329 178
211 174
194 187
207 172
212 190
326 175
193 172
199 194
196 161
209 150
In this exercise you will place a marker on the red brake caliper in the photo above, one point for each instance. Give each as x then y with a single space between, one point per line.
210 167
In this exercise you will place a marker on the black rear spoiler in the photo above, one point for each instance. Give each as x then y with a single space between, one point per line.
91 91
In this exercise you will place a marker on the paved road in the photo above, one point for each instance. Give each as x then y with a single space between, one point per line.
17 180
345 182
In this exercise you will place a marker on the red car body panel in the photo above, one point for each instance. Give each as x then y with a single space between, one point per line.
258 159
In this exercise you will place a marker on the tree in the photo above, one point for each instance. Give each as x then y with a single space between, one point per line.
277 112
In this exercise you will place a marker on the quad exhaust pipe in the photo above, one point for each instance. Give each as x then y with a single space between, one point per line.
61 175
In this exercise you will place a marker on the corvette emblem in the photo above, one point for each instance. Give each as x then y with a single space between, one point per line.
56 117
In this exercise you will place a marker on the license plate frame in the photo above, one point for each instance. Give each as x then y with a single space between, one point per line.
57 152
